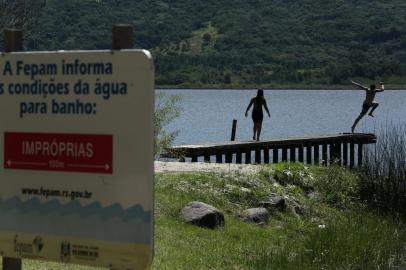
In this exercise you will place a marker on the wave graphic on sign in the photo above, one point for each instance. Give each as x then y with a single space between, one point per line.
92 221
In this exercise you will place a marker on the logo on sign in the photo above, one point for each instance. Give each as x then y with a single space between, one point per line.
23 248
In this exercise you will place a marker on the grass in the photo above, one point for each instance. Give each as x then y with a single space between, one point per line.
336 231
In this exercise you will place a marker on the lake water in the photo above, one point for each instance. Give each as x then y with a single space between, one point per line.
207 114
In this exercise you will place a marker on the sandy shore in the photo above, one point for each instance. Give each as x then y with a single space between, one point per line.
161 166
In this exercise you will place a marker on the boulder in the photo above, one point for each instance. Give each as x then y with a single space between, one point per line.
257 215
203 215
295 206
273 201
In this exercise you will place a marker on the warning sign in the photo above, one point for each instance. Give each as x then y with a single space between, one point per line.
58 152
76 142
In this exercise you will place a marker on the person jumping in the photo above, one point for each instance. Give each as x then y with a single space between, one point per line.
369 101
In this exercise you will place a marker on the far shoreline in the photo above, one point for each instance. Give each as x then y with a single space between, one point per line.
278 87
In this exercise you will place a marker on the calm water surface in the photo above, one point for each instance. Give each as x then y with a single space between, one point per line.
207 114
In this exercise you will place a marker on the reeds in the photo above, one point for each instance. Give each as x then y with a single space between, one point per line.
383 182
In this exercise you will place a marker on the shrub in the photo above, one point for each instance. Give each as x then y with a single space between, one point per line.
166 110
339 186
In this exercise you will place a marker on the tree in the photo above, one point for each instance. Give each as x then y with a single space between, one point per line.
20 13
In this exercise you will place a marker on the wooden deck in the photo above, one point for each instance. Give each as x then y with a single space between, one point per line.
344 148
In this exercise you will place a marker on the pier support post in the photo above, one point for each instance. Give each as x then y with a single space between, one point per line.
352 154
309 154
336 158
258 155
324 153
229 157
266 154
316 155
292 154
360 154
248 156
301 157
345 154
275 155
219 158
238 157
284 154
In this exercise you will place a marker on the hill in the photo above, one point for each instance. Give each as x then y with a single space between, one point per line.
240 43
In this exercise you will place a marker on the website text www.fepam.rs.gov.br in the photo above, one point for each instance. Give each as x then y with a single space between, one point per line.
46 193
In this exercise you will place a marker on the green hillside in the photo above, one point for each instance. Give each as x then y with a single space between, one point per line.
242 43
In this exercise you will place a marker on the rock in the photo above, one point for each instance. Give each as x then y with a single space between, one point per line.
313 195
257 215
295 206
203 215
273 201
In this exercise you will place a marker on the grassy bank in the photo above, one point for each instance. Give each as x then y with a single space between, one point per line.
332 230
335 231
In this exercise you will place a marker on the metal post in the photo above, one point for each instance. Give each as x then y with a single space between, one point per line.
13 41
233 129
122 36
11 264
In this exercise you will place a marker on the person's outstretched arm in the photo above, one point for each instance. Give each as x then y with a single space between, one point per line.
266 108
249 106
359 85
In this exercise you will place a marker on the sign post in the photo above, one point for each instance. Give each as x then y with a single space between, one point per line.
76 175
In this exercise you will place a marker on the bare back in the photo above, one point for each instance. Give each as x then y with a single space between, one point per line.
369 96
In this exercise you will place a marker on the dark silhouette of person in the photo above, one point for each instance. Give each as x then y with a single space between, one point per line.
369 101
257 114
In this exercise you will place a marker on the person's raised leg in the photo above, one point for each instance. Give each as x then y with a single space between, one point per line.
374 106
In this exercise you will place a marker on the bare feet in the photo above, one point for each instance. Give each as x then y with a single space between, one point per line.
370 114
352 129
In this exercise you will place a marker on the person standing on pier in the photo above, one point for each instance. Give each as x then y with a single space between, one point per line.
369 101
257 114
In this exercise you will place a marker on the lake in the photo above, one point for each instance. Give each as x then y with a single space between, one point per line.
207 114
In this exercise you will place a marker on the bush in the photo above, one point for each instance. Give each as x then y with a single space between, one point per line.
166 110
339 186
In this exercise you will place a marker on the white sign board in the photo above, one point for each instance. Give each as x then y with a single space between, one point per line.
76 176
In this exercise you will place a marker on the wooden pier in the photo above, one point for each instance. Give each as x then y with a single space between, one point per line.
345 149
